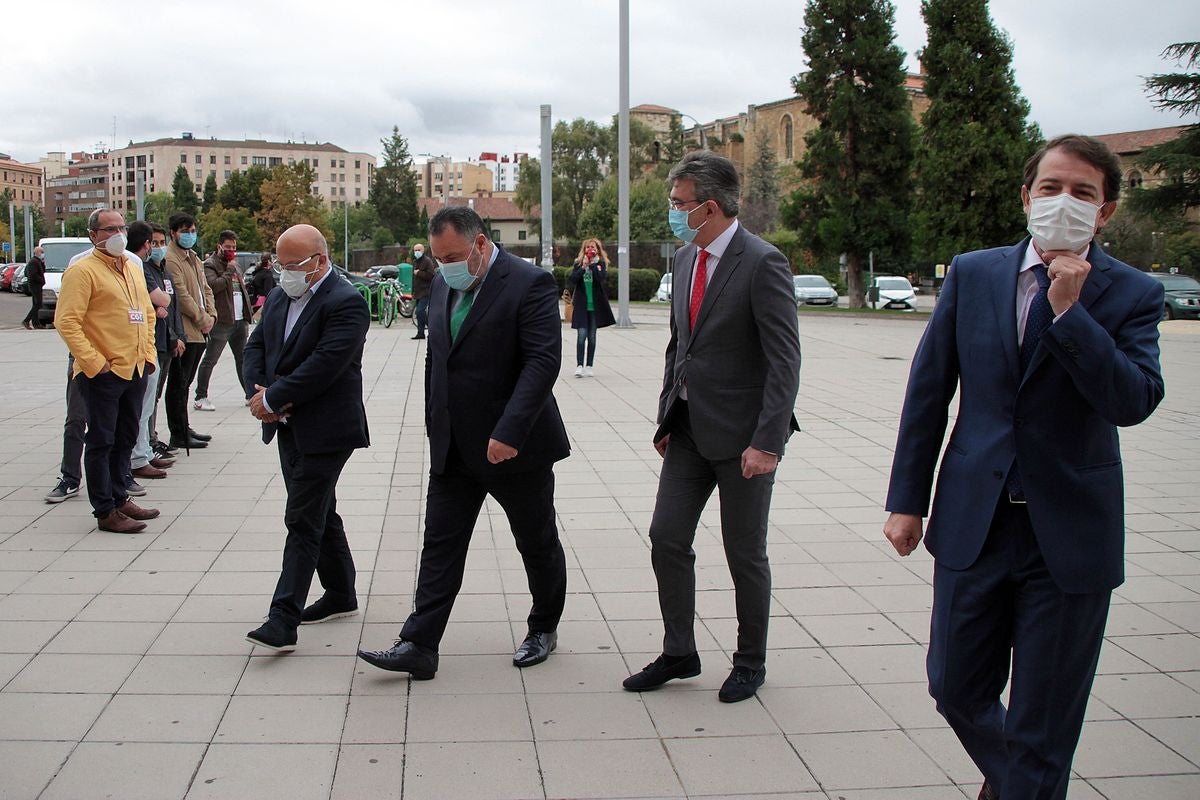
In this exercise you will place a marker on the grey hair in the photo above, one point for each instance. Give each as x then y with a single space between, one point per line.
462 219
94 218
715 178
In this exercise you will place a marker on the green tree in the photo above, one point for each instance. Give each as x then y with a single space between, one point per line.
362 221
183 193
239 220
647 217
580 151
382 237
1183 250
423 225
857 165
974 139
159 207
760 204
75 225
241 189
641 145
287 200
1178 160
394 189
210 193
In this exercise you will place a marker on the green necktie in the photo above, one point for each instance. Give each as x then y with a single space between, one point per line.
460 313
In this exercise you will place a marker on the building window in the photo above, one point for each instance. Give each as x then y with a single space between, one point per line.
276 161
357 164
212 158
521 235
131 176
358 192
141 161
227 174
197 174
151 174
333 163
197 158
226 159
152 158
342 164
183 158
212 173
788 138
358 177
243 161
1135 179
260 161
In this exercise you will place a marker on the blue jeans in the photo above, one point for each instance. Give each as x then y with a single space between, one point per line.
422 314
586 335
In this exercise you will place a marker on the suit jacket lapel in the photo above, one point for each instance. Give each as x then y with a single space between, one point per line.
681 290
1004 305
1095 285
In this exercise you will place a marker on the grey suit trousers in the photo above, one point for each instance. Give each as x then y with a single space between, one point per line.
686 482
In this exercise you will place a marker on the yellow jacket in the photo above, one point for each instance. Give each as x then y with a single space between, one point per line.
93 316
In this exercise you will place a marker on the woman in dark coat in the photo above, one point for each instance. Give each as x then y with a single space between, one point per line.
589 302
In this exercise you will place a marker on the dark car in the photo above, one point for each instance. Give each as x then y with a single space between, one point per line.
7 272
20 284
1182 295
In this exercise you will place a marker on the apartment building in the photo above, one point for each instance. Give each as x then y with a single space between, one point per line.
79 191
23 181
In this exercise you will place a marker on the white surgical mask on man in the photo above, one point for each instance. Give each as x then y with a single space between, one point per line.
1062 222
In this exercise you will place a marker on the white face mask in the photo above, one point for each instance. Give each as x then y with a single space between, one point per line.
294 282
1062 222
115 244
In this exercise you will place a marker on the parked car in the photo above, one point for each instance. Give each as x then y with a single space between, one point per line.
58 253
247 259
814 290
20 284
892 291
6 275
1182 295
663 295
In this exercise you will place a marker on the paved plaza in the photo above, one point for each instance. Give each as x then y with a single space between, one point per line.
124 672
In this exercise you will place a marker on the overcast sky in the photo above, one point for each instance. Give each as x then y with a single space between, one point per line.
468 76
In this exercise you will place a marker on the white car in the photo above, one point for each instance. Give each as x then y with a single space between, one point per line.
895 292
814 290
664 289
59 251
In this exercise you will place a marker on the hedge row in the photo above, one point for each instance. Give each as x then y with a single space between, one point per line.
643 283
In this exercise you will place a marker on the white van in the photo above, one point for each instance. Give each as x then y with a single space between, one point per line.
59 250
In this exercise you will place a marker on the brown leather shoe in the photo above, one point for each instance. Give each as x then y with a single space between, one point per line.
149 471
116 522
162 463
134 511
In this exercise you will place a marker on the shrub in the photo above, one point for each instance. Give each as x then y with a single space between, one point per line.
643 283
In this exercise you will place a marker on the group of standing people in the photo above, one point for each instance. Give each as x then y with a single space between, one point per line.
1050 344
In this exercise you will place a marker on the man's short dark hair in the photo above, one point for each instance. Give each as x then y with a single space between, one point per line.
1093 151
139 234
462 219
715 178
226 236
180 220
154 226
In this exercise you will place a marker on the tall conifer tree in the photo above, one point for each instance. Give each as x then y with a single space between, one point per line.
975 137
858 161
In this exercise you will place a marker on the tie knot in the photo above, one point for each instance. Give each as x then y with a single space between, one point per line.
1042 275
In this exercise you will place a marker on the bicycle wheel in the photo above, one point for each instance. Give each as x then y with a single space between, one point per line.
388 313
406 307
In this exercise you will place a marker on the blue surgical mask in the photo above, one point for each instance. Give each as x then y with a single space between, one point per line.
158 253
457 275
677 218
187 240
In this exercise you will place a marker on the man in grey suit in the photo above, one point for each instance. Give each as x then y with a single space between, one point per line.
725 413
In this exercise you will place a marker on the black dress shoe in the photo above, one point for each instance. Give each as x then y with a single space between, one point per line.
404 656
190 443
204 437
419 336
536 648
273 635
662 669
986 792
741 684
327 608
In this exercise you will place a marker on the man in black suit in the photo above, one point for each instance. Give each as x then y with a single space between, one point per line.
304 362
725 413
495 345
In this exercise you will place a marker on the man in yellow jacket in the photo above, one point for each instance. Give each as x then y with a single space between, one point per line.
107 320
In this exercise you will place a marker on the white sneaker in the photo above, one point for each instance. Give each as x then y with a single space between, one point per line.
579 371
587 372
204 404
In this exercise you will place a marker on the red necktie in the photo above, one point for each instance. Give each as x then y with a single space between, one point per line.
698 285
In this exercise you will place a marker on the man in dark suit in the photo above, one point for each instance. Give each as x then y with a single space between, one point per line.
495 345
304 362
725 413
1027 528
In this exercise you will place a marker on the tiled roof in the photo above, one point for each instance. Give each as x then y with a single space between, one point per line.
650 108
1133 142
497 209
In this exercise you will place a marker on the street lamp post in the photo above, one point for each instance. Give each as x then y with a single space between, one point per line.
699 127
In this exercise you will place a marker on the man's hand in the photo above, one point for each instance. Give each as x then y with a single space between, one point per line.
498 451
259 409
208 326
160 312
756 462
903 531
661 445
1067 272
106 368
180 346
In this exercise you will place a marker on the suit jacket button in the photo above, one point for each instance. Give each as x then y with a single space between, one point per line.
997 474
688 357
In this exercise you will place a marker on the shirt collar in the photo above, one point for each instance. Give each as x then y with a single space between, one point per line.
1033 259
312 290
716 248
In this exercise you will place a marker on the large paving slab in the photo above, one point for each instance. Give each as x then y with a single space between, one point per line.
123 671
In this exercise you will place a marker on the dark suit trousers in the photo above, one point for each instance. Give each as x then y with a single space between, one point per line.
114 410
1006 606
316 537
74 429
686 482
452 508
183 372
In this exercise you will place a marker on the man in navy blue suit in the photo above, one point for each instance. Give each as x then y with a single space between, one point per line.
495 346
1052 345
304 363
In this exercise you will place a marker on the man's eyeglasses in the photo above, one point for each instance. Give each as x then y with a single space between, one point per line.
113 229
677 205
301 264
